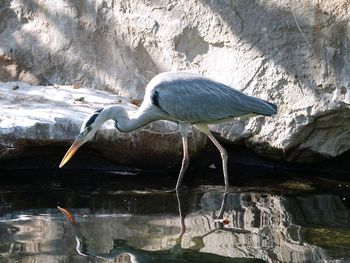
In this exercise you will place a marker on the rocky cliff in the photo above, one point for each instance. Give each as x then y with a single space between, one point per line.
295 54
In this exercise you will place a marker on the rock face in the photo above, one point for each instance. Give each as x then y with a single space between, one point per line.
37 116
294 54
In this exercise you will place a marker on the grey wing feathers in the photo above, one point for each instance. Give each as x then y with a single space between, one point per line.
194 99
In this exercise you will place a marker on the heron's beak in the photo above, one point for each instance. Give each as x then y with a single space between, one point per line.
71 151
66 213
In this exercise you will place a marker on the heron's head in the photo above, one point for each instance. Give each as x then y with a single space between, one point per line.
87 132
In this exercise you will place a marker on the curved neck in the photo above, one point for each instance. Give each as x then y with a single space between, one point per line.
126 121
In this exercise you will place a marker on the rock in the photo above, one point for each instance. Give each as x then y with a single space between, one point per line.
29 78
47 116
10 70
293 54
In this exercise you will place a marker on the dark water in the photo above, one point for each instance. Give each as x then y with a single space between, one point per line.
120 218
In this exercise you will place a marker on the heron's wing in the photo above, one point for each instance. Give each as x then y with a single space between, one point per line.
197 99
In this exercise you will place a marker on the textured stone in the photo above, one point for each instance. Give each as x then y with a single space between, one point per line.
33 116
294 54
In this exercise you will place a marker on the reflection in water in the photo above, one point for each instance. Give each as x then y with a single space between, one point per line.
122 252
235 227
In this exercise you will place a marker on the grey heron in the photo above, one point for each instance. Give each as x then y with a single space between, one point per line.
185 98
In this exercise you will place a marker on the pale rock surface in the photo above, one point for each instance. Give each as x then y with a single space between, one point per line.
32 116
295 54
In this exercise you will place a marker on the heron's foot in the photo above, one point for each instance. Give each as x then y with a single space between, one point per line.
174 190
177 189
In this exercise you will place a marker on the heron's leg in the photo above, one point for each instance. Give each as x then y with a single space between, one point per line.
205 129
223 206
183 127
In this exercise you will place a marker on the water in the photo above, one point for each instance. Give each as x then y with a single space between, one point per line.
123 217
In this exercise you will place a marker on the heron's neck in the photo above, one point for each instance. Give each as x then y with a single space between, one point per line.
127 121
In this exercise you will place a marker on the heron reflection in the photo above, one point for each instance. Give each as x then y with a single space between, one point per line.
123 252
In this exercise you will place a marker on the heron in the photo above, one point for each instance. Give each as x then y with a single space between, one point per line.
184 98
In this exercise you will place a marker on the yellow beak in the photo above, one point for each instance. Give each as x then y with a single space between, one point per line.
66 213
71 151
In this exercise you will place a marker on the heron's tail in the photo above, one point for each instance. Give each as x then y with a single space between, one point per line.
263 107
274 106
